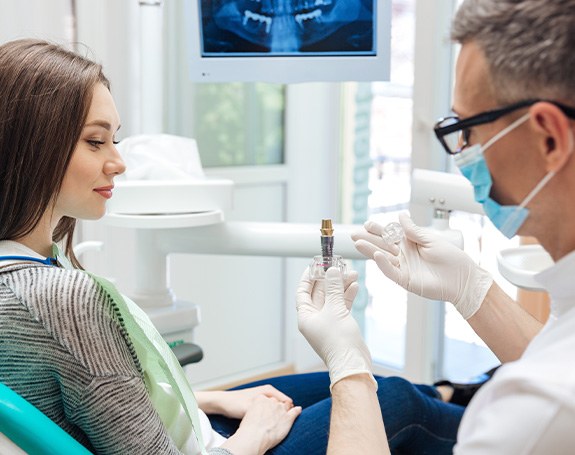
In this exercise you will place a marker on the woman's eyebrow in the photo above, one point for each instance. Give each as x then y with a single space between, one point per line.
104 124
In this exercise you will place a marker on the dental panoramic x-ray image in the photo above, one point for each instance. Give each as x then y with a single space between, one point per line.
288 27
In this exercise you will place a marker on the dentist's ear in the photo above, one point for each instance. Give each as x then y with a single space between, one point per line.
555 134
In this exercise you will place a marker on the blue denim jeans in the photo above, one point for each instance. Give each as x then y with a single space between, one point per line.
416 420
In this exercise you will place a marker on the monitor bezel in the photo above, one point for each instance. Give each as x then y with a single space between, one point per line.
290 69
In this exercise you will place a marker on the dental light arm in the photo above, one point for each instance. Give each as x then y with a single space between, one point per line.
443 191
255 239
440 191
152 287
446 192
206 233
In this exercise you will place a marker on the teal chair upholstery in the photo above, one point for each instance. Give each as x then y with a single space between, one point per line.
28 428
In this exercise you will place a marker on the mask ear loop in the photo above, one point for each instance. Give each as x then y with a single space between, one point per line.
504 131
528 199
537 188
471 154
543 181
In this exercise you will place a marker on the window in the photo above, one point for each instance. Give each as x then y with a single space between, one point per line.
460 352
385 176
465 354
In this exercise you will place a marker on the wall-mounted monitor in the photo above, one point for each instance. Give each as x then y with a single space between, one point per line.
288 40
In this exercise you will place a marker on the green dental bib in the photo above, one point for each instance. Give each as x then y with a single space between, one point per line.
165 380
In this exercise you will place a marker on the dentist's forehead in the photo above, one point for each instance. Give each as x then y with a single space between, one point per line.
473 91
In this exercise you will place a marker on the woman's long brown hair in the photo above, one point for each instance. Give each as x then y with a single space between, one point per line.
45 94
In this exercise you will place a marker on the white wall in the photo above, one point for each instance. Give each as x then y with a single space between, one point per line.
110 30
51 20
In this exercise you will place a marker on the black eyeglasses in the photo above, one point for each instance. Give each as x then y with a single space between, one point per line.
453 133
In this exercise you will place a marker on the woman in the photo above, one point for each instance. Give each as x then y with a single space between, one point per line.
69 343
65 346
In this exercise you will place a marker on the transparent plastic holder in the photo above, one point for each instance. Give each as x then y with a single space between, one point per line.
392 232
320 264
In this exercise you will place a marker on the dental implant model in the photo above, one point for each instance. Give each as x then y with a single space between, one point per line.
392 232
320 264
326 238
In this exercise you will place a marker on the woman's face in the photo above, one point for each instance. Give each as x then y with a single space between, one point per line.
88 181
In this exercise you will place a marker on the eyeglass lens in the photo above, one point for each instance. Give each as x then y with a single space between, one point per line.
457 140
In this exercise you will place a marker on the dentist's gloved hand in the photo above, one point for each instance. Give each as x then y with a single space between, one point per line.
325 320
429 265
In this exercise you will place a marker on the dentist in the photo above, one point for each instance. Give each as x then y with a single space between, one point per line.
512 136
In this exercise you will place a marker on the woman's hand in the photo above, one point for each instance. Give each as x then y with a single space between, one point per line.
235 403
266 423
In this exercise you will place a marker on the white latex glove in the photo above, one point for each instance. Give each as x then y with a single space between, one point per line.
430 266
325 320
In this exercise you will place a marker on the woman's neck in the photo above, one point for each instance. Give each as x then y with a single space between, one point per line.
39 239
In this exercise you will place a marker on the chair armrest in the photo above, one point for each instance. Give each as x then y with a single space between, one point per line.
187 353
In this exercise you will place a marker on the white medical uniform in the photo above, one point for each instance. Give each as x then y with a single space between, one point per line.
529 405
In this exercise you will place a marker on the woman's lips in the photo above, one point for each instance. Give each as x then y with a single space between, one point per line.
105 192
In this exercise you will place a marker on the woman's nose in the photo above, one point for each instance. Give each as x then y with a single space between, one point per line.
115 165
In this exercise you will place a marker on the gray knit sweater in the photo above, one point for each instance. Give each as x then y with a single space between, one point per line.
64 349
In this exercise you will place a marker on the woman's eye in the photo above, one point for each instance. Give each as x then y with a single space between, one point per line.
95 143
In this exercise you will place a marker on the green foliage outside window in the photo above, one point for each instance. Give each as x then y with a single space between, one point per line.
239 124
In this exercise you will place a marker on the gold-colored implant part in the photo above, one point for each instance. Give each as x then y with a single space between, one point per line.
326 228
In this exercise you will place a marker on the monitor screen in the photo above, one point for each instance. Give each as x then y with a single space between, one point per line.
289 40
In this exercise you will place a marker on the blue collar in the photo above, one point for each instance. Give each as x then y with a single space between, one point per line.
47 261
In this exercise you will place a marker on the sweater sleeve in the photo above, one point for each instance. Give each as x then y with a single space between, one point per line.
101 384
117 416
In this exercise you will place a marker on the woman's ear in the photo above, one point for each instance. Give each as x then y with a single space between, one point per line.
554 134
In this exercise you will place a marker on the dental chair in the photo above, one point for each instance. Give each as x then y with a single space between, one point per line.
27 430
24 429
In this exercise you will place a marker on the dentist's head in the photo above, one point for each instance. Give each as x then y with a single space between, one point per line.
514 124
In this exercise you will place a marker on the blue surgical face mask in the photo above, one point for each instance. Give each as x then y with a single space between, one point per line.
507 218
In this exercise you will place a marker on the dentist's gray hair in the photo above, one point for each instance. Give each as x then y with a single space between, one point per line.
529 45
